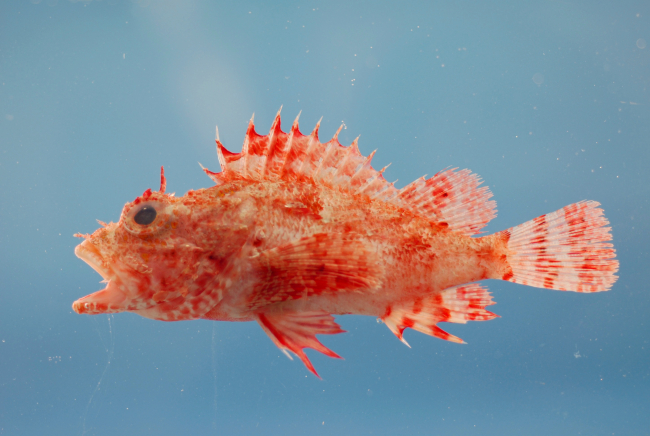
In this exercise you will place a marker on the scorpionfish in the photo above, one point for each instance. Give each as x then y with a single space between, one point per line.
296 231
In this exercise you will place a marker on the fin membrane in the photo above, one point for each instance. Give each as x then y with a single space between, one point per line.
314 265
451 197
295 331
458 304
566 250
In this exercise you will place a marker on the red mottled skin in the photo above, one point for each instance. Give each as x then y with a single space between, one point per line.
201 258
296 230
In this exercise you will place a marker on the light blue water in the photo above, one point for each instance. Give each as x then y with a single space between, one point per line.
548 101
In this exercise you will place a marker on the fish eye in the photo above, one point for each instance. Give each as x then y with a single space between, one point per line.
145 216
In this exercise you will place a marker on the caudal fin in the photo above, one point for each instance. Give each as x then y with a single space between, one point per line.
566 250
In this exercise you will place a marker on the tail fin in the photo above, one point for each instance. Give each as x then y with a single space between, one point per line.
566 250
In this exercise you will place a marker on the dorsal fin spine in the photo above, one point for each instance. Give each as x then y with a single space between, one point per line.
221 157
313 140
352 150
364 166
378 176
336 135
316 127
329 149
381 191
271 144
393 194
250 131
448 196
289 146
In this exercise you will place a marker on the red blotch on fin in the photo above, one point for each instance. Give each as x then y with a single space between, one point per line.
452 197
314 265
565 250
458 304
296 331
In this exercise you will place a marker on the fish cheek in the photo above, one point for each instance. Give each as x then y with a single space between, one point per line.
173 269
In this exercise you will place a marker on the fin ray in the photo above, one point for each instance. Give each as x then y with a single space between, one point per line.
314 265
296 331
566 250
457 304
450 196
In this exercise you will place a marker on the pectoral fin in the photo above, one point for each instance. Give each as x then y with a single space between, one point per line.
312 266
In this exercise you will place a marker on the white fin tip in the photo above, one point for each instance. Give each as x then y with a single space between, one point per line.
295 122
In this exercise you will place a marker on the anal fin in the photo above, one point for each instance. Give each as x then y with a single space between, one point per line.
298 330
458 304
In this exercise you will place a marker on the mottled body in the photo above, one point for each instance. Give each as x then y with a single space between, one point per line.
296 230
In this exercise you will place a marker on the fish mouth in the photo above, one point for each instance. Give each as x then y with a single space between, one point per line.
108 300
89 253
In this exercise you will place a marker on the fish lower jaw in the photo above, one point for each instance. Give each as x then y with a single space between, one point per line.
89 308
112 299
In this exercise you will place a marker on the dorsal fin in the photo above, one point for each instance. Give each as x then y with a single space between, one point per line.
451 197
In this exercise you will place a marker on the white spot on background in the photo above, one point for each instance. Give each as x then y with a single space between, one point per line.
538 78
640 43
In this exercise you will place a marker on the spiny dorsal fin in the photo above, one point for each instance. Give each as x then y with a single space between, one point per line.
453 197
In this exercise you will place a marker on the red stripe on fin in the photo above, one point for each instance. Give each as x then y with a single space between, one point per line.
458 304
279 152
258 149
298 330
314 265
566 250
453 197
297 152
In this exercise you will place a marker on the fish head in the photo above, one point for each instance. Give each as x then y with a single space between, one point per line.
148 260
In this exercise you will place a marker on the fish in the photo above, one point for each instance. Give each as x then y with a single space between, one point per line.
295 231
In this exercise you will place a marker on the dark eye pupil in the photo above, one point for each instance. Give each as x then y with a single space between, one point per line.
145 216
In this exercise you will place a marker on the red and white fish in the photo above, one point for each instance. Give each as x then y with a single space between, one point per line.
296 230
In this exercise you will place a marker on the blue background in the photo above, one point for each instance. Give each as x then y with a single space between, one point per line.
547 100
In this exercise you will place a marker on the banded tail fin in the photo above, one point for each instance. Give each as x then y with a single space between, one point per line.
566 250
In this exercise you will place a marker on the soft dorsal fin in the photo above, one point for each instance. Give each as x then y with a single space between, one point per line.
450 196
